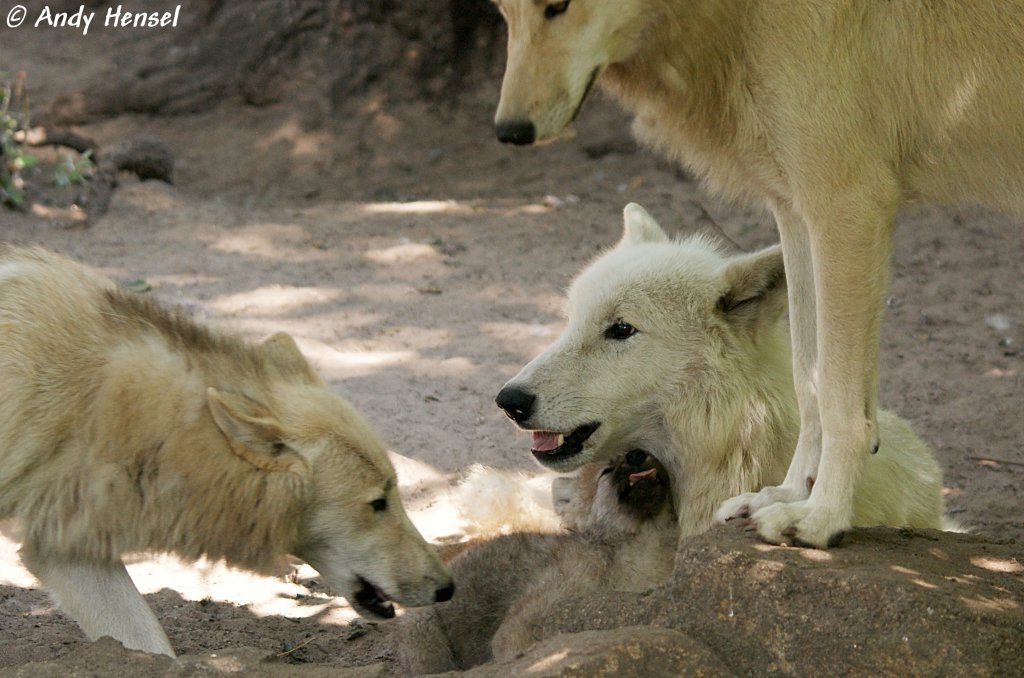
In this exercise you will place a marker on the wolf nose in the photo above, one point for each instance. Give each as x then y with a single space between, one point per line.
444 594
518 132
518 404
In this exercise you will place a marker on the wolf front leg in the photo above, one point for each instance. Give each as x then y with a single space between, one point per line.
803 468
102 598
849 231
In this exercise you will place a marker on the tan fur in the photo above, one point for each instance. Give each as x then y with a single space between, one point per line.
831 114
509 584
704 383
128 428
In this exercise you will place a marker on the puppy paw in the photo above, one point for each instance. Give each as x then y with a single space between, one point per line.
802 523
745 505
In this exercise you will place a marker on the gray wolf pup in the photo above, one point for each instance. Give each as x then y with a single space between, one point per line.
622 537
128 428
832 114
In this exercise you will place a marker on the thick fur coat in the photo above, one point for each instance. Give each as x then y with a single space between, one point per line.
831 114
128 428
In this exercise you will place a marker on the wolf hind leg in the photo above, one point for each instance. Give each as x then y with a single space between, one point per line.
102 598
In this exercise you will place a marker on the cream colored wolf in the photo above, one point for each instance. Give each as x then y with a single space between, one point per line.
832 113
126 428
677 349
622 537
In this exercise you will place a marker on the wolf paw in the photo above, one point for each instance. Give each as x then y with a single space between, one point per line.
801 523
746 505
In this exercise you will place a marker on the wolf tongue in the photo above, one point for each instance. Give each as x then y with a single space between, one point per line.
634 478
545 441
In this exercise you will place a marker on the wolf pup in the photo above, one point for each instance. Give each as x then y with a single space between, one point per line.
126 428
622 538
830 114
677 348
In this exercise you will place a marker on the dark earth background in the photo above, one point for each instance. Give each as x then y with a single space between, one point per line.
335 175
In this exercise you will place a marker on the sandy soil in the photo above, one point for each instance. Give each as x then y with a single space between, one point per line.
420 264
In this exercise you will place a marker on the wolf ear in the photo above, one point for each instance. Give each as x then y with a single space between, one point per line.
281 350
640 227
755 289
252 430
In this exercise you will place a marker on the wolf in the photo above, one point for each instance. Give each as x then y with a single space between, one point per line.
619 535
831 114
125 427
678 349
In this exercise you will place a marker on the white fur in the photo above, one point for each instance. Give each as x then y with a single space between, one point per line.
830 114
125 428
705 384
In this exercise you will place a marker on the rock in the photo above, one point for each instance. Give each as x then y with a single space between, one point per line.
638 651
887 602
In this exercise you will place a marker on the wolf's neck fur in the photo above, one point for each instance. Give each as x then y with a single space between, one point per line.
687 85
741 430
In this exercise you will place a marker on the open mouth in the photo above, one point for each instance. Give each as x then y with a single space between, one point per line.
373 600
552 447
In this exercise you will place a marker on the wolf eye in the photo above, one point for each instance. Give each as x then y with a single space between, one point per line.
556 8
620 330
379 504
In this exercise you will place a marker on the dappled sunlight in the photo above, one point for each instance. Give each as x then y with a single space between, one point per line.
180 280
403 253
215 581
275 299
304 144
331 362
418 207
205 580
272 241
765 570
12 572
816 555
990 604
998 564
547 662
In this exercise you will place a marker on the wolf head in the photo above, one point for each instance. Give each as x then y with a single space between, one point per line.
349 523
663 338
556 51
617 497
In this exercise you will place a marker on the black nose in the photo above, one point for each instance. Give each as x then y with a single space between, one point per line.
444 594
518 404
518 132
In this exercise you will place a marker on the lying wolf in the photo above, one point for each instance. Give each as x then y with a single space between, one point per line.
621 537
675 348
125 428
832 114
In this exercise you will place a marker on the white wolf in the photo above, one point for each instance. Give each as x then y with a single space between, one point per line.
677 349
126 428
830 113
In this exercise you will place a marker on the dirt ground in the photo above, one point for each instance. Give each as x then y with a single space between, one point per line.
419 264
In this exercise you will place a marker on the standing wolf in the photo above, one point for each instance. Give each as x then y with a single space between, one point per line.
677 349
832 113
125 428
